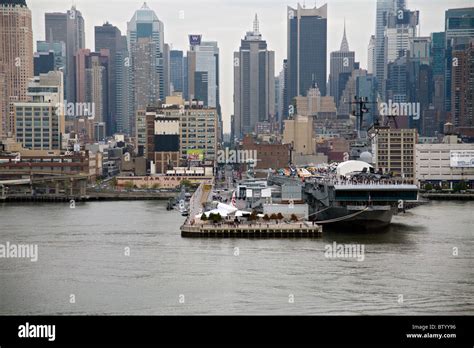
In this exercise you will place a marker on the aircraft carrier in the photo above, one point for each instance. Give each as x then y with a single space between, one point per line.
360 199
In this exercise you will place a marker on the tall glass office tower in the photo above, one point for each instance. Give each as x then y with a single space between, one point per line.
307 50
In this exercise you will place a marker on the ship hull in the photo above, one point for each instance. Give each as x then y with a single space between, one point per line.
370 219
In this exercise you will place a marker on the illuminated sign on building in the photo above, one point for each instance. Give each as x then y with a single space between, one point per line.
194 40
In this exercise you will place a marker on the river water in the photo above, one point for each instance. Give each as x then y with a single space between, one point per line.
83 265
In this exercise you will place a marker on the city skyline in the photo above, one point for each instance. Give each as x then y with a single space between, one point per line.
227 30
210 156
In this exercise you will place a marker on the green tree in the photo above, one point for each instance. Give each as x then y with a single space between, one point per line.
113 182
274 216
186 183
215 217
280 216
266 217
294 217
460 186
203 217
253 216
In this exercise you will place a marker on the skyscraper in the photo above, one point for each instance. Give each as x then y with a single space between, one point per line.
350 90
280 101
125 117
59 50
145 77
4 107
366 87
43 62
397 82
166 69
146 25
92 83
420 78
384 7
16 58
285 98
306 50
254 82
69 28
341 61
109 37
438 54
176 71
459 28
203 74
371 55
401 27
56 26
185 78
203 71
462 90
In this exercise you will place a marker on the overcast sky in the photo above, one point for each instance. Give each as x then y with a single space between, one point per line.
226 21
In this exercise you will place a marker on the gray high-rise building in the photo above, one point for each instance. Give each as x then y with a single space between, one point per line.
203 74
280 101
92 83
59 50
185 78
60 58
124 107
176 71
384 7
203 71
56 26
16 59
69 28
306 50
285 99
109 37
400 30
166 69
43 62
366 87
371 55
146 25
395 26
254 83
459 29
145 77
341 61
397 82
438 54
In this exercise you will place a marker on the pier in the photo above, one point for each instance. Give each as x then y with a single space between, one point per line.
290 230
64 188
230 228
448 196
